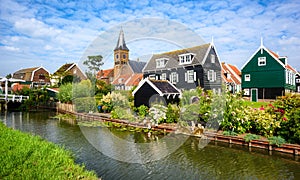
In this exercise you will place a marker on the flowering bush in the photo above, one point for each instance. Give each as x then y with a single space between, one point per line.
157 113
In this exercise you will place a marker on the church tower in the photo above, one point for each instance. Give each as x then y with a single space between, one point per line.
121 54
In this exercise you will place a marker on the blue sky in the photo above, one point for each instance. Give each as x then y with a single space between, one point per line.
52 33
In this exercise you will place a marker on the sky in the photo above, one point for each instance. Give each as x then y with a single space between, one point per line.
51 32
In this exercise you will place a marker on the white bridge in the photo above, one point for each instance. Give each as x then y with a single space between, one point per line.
13 97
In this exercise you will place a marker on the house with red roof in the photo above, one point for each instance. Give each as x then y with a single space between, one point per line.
267 75
32 77
231 77
106 75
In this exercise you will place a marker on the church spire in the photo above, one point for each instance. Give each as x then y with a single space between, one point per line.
121 45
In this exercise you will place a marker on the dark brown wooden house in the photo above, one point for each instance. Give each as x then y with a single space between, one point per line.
35 77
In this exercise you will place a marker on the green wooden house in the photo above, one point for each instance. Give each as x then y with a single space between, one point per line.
267 75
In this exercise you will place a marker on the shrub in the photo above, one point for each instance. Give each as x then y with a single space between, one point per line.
143 111
276 140
65 93
250 137
158 113
290 128
172 114
85 104
229 133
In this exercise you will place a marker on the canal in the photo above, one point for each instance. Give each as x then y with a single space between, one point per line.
189 161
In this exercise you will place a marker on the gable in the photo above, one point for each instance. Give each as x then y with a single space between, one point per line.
272 63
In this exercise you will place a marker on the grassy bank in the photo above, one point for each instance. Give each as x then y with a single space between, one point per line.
23 156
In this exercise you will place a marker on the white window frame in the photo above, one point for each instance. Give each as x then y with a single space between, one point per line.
297 80
298 89
161 62
186 58
246 92
262 61
152 76
190 76
174 77
212 58
211 75
247 77
163 76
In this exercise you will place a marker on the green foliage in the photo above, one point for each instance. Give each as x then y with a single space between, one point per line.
83 89
70 79
143 111
65 94
276 140
85 104
102 88
172 114
122 113
290 128
24 156
229 133
94 63
250 137
36 97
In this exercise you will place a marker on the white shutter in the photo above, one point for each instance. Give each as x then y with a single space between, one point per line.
185 77
177 77
195 76
215 76
208 75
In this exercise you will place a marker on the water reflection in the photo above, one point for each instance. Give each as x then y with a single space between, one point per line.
190 161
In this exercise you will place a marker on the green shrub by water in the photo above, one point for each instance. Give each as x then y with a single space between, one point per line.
23 156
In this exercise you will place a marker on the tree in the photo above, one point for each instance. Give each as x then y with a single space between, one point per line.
94 63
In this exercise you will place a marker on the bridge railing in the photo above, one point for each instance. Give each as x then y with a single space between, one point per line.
13 97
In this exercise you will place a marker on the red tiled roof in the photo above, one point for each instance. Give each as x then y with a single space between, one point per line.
121 79
273 53
134 80
289 67
104 73
234 72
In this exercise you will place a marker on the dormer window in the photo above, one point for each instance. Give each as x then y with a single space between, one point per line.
186 58
262 61
161 62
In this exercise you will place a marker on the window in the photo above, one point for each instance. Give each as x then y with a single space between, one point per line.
297 80
211 75
42 77
212 58
124 56
160 63
152 77
298 89
246 92
186 58
247 77
190 76
173 77
262 61
163 76
117 56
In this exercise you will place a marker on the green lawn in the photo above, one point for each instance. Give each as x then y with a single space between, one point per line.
24 156
255 104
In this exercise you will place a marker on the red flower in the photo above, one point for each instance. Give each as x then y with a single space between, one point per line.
284 119
262 108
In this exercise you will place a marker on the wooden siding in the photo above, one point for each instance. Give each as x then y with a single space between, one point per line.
272 75
36 76
182 84
216 66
